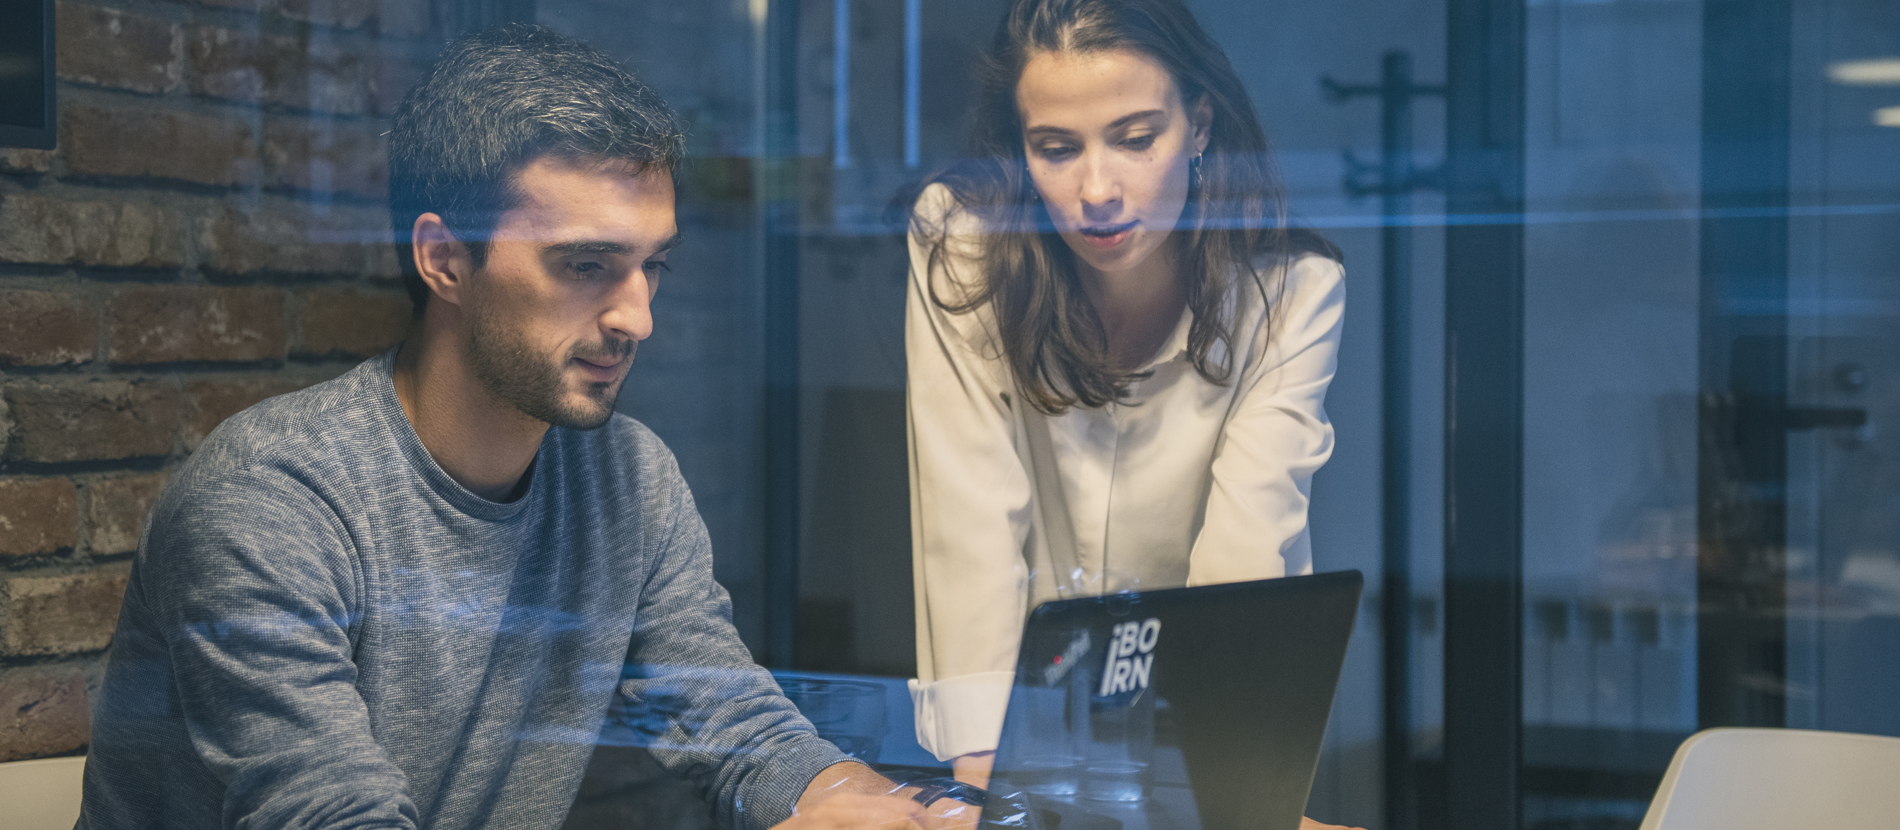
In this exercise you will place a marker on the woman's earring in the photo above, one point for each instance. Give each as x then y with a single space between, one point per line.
1194 170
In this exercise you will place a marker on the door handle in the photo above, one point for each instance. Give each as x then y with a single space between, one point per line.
1823 417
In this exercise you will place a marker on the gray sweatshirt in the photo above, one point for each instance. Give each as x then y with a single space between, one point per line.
324 630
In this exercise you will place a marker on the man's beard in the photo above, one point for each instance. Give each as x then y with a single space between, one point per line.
511 370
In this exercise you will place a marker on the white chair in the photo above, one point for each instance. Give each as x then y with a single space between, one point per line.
1779 779
42 794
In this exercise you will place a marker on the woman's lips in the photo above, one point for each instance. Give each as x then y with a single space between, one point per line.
1108 236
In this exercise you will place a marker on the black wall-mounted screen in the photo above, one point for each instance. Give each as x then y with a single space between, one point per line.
26 73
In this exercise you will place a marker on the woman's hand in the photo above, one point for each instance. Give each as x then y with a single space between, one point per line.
973 769
1309 824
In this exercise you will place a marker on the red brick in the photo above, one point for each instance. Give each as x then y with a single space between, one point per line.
227 63
46 328
319 156
37 515
336 78
276 69
39 228
108 47
42 715
116 509
212 401
351 324
154 142
171 323
91 420
289 237
20 160
348 14
59 614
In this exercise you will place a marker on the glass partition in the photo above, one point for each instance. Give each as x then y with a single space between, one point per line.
1843 462
1616 412
1703 310
1645 357
1611 379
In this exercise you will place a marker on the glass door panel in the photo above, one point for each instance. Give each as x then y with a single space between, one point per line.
1710 307
1610 419
1844 370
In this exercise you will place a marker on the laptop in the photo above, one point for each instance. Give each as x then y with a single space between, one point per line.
1188 709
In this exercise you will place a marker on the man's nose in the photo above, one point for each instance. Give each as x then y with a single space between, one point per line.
629 313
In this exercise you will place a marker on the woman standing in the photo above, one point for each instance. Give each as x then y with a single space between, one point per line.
1118 356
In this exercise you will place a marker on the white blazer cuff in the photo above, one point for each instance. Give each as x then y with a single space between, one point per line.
960 715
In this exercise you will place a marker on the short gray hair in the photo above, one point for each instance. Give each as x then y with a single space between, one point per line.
495 101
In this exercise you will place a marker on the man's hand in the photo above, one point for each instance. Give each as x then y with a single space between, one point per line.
850 796
856 811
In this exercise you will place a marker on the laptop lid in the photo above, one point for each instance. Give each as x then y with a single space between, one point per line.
1178 709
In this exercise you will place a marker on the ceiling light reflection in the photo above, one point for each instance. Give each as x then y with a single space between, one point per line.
1868 72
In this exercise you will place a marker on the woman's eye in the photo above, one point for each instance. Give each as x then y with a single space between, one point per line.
1140 142
1055 152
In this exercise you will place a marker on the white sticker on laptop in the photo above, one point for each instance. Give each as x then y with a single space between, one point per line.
1131 657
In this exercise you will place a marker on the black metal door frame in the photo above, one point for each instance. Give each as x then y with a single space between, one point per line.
1484 413
1742 472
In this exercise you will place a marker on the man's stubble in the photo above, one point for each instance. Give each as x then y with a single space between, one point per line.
506 364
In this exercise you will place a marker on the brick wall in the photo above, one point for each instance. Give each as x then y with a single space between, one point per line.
210 232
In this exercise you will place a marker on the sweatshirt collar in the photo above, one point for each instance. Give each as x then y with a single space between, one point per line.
383 386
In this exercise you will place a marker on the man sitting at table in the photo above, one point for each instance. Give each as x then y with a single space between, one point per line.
411 596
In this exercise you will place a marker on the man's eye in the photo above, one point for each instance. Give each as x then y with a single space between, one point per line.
585 270
657 266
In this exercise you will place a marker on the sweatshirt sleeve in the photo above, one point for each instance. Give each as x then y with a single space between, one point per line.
691 694
1276 438
255 595
970 501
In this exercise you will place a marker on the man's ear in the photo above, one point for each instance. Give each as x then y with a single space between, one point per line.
1201 120
441 259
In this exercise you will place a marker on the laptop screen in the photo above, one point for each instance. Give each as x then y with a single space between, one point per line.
1174 710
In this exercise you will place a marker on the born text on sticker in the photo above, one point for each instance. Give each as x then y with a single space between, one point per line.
1131 648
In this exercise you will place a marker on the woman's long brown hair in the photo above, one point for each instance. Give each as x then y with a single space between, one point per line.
1234 219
